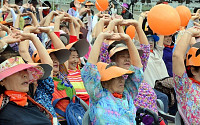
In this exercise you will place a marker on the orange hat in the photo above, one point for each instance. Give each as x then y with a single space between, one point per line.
81 46
3 22
108 73
6 23
193 55
61 54
121 47
89 3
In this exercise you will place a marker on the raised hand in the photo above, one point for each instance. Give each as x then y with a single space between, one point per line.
24 36
11 38
129 22
194 31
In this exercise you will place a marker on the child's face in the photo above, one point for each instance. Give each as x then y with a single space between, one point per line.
167 40
151 42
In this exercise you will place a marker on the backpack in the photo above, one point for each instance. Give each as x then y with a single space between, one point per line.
74 111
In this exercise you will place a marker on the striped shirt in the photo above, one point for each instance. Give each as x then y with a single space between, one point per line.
75 79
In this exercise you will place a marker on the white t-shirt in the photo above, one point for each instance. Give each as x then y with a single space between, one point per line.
156 68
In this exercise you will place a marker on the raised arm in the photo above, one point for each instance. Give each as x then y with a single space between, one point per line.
34 19
94 54
133 52
181 47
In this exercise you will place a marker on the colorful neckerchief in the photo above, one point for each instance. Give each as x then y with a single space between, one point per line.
74 8
117 95
46 12
151 51
20 98
194 81
169 46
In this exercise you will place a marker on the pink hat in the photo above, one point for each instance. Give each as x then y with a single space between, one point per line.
16 64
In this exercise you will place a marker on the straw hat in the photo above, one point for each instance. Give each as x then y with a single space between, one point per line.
121 47
89 3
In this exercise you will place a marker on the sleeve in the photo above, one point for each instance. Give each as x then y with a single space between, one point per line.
43 94
104 56
70 12
190 24
134 80
145 56
181 84
92 81
72 39
45 87
159 50
94 21
89 28
14 16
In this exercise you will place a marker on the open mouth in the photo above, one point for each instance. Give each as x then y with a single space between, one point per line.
55 65
127 64
25 83
121 86
74 64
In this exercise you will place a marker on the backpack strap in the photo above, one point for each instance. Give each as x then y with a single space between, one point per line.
1 100
57 109
75 99
4 100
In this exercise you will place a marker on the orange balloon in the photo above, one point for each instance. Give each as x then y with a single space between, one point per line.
130 31
184 14
81 1
163 19
101 5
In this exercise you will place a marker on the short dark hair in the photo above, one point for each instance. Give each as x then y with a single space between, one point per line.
46 4
195 9
189 72
72 4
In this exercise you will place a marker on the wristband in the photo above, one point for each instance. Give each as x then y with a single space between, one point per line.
3 48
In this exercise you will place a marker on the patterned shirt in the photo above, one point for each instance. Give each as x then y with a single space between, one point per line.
146 97
188 97
104 107
43 94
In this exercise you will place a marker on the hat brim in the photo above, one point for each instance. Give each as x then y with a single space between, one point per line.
81 46
61 54
10 71
111 72
89 4
113 52
47 70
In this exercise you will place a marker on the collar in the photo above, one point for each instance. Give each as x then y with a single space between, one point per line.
117 95
194 81
124 11
74 8
20 98
169 46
